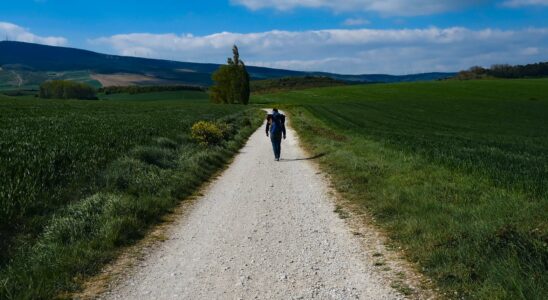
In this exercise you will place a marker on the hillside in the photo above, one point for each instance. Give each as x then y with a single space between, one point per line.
25 64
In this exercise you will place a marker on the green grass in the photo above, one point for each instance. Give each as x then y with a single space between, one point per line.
193 96
457 173
79 179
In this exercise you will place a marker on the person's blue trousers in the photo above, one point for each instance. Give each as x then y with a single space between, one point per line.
276 144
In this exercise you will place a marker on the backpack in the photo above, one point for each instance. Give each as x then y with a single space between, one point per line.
278 121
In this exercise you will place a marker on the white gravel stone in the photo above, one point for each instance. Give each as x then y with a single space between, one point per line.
272 220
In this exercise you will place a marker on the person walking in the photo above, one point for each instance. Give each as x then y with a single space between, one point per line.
275 128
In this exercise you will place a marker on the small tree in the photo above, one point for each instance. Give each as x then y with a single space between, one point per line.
231 81
222 89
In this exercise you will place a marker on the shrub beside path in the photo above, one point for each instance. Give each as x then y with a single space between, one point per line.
265 230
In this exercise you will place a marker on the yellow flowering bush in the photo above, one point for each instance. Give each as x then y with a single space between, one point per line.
207 133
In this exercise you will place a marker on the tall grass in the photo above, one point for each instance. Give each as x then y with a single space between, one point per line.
52 152
96 183
457 173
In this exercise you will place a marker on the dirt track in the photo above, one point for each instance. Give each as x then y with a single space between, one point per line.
18 78
263 230
108 80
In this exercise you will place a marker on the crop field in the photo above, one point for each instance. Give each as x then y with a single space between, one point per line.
456 172
292 83
23 79
187 96
80 178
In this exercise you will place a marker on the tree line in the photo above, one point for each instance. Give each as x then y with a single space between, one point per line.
231 82
536 70
293 83
65 89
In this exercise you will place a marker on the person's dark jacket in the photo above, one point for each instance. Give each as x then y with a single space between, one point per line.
270 126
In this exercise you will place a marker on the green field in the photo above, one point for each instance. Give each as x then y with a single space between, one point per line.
456 172
81 178
188 96
20 79
293 83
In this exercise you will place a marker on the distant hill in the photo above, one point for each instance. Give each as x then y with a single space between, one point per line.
26 64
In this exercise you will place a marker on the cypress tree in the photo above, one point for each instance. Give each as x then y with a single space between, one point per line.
231 81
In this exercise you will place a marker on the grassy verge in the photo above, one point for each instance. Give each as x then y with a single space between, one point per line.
455 172
145 177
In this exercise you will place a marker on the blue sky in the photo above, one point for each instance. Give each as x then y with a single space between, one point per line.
345 36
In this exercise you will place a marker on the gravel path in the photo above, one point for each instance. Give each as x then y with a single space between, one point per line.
263 230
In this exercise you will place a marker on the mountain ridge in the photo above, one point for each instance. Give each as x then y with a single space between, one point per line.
42 58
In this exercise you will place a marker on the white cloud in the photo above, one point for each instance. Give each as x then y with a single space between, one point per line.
356 22
387 7
395 51
521 3
530 51
17 33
